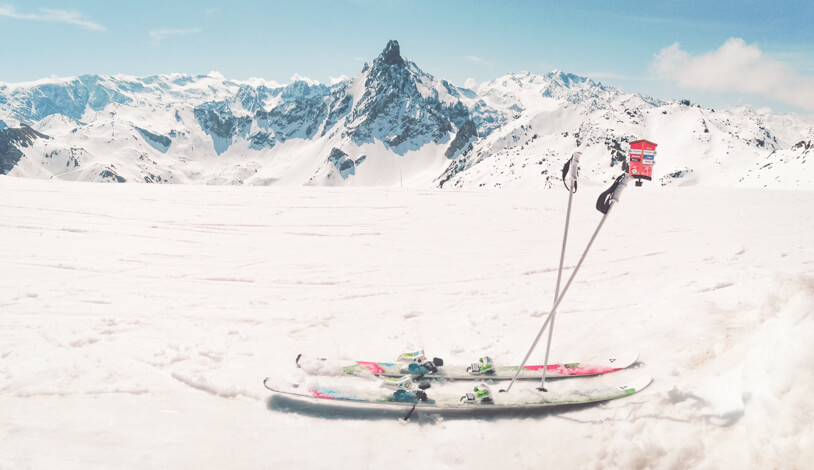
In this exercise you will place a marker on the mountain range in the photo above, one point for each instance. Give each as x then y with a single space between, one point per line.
392 124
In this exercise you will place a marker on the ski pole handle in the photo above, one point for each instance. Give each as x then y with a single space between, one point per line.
570 172
617 193
612 194
573 170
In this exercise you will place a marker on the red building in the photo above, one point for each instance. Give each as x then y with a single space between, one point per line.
642 156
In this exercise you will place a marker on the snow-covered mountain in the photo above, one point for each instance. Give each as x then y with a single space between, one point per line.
391 124
556 114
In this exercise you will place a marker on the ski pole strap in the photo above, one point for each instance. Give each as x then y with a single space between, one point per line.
570 172
612 194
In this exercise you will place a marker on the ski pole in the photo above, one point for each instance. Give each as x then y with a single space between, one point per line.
603 204
570 173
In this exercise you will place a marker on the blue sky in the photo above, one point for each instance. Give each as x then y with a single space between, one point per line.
715 53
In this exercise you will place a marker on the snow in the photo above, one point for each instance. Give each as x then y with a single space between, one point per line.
528 124
35 83
137 323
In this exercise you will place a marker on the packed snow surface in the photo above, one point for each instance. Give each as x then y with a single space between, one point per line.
137 323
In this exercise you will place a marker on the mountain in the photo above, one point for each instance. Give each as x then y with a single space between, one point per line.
391 124
12 141
558 113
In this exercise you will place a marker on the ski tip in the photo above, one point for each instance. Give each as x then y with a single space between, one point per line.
640 383
634 356
624 360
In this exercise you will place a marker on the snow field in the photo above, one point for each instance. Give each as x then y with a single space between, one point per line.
137 323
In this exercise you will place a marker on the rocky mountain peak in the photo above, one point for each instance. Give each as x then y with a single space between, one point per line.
391 55
10 140
566 80
404 107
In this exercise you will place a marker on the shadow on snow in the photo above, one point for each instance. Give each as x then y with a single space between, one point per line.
328 409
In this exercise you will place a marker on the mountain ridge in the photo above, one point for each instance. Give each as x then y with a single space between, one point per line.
391 124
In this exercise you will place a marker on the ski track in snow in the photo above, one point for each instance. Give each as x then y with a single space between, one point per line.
137 323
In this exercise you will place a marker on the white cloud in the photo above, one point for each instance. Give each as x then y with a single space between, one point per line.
470 83
52 16
335 80
211 11
159 34
299 78
735 67
477 60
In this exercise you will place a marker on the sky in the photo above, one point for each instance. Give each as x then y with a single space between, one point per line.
716 54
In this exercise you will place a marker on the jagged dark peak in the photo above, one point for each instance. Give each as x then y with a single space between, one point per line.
391 55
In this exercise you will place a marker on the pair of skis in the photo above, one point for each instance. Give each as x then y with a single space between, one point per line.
404 383
401 376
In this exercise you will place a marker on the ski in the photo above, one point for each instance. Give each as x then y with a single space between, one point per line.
416 365
451 397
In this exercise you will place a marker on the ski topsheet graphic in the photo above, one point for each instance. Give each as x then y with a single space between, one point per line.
452 396
416 365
